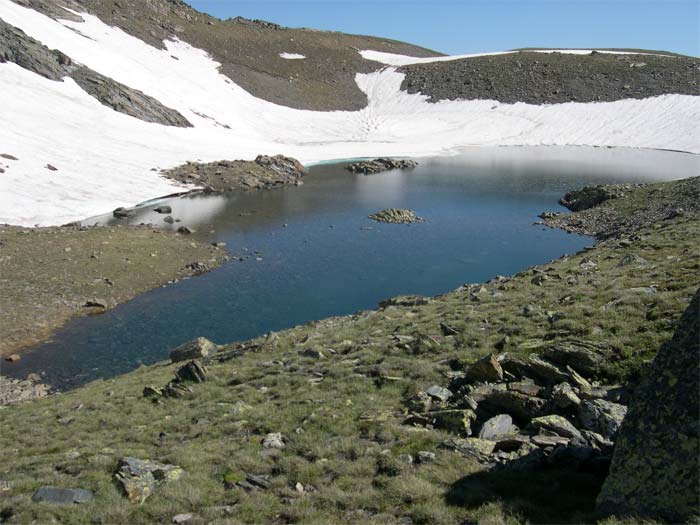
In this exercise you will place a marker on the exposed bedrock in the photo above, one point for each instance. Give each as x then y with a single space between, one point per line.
21 49
654 471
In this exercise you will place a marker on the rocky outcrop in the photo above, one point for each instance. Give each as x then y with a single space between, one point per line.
17 390
396 216
538 78
654 472
591 196
369 167
265 172
526 412
21 49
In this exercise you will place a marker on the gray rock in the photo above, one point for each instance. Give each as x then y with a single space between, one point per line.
273 440
61 496
486 369
563 396
139 478
519 405
497 427
182 518
454 420
195 349
548 372
163 209
193 371
439 393
378 165
586 357
396 216
420 403
603 417
557 424
121 213
425 456
549 441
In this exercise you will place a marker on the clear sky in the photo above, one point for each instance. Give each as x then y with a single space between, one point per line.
471 26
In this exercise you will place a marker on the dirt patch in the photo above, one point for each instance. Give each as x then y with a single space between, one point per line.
48 275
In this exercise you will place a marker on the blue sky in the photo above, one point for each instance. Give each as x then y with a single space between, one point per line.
471 26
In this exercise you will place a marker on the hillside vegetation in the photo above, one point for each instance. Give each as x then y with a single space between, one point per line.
308 425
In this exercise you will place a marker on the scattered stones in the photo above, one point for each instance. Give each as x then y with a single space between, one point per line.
486 369
497 427
274 440
195 349
61 496
197 268
396 216
368 167
18 390
139 478
603 417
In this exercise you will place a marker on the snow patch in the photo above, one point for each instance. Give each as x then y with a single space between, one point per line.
107 159
292 56
392 59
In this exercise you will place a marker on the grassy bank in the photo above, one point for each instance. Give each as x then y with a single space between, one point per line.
336 390
48 275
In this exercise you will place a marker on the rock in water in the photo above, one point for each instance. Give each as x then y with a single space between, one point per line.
378 165
195 349
654 471
396 216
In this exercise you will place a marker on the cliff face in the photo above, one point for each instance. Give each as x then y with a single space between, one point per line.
655 467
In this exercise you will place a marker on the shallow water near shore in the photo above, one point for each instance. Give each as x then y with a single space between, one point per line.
309 252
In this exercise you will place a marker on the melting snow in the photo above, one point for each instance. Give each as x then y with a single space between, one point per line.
107 159
292 56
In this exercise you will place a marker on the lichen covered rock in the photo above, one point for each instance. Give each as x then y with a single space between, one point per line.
654 472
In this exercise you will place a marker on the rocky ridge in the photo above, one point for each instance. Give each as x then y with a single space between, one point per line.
554 78
19 48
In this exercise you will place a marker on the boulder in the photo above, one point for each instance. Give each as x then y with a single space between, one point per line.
454 420
419 402
527 388
439 393
475 447
139 478
195 349
519 405
546 371
486 369
61 496
497 427
563 396
192 371
603 417
584 356
163 209
557 424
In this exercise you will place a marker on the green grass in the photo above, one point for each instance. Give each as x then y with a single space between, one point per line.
345 434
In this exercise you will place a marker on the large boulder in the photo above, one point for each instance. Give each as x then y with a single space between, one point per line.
654 471
486 369
603 417
195 349
140 477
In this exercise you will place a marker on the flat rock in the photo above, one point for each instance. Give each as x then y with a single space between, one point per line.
584 356
61 496
557 424
439 393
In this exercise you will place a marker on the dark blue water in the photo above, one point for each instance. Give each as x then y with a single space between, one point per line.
330 259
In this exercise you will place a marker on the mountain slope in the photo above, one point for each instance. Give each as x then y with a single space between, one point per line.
106 158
